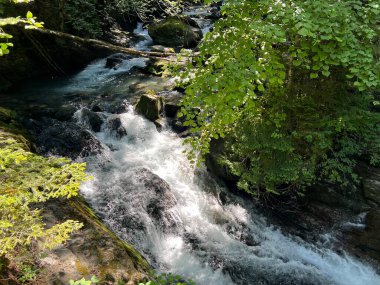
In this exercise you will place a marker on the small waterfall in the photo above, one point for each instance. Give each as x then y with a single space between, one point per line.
180 218
149 194
145 40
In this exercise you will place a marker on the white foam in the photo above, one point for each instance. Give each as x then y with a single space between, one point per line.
216 254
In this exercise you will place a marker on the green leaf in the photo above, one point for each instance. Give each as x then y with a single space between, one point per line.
303 32
326 73
313 75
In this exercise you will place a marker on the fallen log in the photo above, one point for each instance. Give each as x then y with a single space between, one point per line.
104 45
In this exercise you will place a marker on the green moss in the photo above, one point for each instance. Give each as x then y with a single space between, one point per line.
9 125
81 205
175 32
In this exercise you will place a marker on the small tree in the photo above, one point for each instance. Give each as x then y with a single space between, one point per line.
26 180
288 86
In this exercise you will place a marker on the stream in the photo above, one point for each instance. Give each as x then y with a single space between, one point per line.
180 218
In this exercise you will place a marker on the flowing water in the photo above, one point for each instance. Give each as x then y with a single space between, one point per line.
200 237
181 219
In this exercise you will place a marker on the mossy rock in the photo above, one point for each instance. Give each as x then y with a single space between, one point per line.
10 128
7 116
150 106
176 32
93 250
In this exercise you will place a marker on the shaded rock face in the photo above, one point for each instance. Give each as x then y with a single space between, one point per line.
367 241
150 106
371 186
64 113
62 138
176 32
93 119
172 101
349 198
115 126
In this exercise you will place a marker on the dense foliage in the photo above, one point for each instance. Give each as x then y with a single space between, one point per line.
145 9
287 87
89 18
26 180
83 17
29 22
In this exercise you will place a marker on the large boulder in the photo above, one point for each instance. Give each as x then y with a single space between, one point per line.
116 127
150 106
161 197
92 119
176 32
139 200
62 138
94 248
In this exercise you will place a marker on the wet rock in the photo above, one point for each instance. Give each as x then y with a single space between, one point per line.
172 101
62 138
367 241
65 113
115 126
149 84
159 123
214 14
176 32
96 108
248 238
161 198
118 36
349 198
115 60
37 112
112 105
171 109
139 201
93 119
157 185
149 106
371 185
192 240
